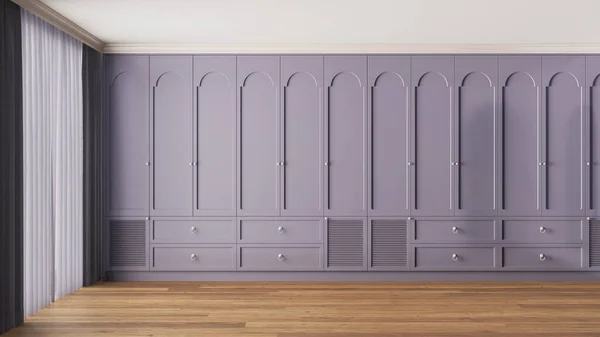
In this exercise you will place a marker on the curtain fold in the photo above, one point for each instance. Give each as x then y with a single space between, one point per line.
53 170
92 165
11 168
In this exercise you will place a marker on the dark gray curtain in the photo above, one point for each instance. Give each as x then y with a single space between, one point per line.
92 165
11 167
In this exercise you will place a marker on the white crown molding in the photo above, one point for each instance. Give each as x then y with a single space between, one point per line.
333 48
56 19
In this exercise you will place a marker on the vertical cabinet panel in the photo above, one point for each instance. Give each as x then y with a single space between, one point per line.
171 135
593 135
345 135
215 145
258 150
563 120
301 135
520 182
475 141
127 78
389 113
432 79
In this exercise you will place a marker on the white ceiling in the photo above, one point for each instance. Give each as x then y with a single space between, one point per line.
271 22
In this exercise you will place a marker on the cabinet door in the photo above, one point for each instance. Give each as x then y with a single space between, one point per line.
346 135
475 137
258 149
389 113
171 135
593 136
563 120
215 145
127 78
301 135
432 78
520 183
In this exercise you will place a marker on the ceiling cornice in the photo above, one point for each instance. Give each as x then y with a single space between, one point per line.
56 19
334 48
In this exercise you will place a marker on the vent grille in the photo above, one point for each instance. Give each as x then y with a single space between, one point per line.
388 243
127 243
345 243
594 243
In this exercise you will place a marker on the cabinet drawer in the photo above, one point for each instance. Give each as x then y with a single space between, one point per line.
542 257
213 257
280 258
193 231
281 231
460 231
540 231
454 257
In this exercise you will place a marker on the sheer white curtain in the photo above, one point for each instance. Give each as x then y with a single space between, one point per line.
53 162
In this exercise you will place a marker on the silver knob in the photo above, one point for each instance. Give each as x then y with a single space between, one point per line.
277 163
282 163
588 163
455 230
542 257
588 219
193 163
193 229
280 230
409 163
147 218
193 257
147 163
454 257
542 229
409 218
280 257
452 163
326 163
326 219
540 163
543 164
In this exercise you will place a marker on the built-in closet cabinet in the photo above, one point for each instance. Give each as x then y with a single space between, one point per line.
593 136
346 155
171 135
520 134
215 162
127 80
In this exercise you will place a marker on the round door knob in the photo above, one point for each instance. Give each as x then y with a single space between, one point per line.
455 230
588 163
543 164
193 257
542 257
452 163
454 257
540 164
542 229
193 229
410 163
147 218
280 230
326 163
281 163
147 163
280 257
193 163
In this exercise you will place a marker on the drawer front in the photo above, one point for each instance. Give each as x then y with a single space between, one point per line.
220 257
193 231
542 257
540 231
454 257
280 258
462 231
286 231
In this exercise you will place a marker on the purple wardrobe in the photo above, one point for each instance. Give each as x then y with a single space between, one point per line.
357 167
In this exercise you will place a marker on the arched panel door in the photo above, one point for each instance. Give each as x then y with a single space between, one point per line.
171 135
563 190
593 136
520 169
475 141
433 172
302 136
215 145
345 136
258 148
128 144
389 115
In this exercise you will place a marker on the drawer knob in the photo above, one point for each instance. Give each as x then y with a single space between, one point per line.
280 230
455 257
542 257
193 229
542 229
455 230
280 257
193 257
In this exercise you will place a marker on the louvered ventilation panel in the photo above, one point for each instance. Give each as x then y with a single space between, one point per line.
345 243
595 243
388 244
127 244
